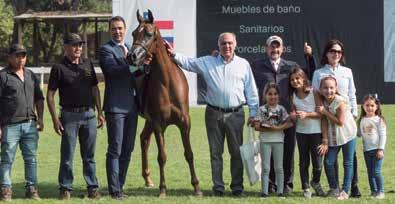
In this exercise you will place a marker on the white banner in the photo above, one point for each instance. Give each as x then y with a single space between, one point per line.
389 41
176 20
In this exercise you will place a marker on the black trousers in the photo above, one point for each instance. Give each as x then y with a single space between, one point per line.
308 147
288 161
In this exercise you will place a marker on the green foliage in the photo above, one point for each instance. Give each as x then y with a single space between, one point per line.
6 23
96 6
50 34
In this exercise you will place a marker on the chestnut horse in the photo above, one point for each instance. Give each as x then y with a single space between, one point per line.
165 99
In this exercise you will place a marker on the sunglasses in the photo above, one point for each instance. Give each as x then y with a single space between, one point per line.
333 51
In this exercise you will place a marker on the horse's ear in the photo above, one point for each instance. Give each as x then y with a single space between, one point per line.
150 17
139 17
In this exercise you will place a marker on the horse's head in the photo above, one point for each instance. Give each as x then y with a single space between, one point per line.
144 38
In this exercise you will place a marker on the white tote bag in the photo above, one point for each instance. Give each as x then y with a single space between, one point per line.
250 156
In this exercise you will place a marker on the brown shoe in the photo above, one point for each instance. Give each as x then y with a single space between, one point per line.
64 194
32 193
6 194
93 194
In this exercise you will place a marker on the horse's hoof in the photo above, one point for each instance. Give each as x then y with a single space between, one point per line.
199 193
162 195
149 183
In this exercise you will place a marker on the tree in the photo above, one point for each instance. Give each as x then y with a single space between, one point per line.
6 23
48 35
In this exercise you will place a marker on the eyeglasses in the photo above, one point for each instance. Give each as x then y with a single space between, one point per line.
333 51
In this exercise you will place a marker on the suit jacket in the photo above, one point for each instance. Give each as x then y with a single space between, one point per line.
120 91
264 72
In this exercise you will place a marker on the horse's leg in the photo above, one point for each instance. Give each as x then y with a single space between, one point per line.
160 141
185 128
145 139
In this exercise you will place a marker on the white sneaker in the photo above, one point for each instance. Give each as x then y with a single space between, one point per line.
307 193
343 196
380 195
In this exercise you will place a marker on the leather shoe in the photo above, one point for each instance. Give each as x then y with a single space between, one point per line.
355 193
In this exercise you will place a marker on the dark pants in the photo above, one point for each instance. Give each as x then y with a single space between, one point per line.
219 126
308 147
288 161
81 126
121 131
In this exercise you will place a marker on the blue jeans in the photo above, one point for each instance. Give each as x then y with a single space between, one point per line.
26 135
121 131
348 150
373 164
81 126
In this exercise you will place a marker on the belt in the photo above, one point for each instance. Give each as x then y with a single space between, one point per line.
226 110
21 121
76 110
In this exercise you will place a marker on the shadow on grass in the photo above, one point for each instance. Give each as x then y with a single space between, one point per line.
181 192
50 191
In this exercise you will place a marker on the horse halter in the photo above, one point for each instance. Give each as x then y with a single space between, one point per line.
145 48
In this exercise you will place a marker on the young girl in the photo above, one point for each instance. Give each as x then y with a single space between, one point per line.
342 131
308 130
373 130
271 120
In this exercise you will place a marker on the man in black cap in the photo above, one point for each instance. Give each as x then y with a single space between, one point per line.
76 80
21 117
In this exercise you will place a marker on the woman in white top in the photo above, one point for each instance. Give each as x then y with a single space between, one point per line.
333 63
308 130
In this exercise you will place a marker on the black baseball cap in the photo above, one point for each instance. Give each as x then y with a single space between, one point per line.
17 49
72 38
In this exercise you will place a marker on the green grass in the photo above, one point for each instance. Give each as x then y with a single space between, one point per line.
177 172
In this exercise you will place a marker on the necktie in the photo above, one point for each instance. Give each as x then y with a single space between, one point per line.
124 49
274 64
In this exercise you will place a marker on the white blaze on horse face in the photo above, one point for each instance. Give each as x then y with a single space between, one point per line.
143 37
138 55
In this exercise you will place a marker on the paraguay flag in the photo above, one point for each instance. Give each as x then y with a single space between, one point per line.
166 28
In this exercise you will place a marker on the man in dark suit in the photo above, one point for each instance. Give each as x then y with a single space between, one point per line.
274 68
120 106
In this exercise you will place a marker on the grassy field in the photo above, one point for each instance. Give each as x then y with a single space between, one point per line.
177 173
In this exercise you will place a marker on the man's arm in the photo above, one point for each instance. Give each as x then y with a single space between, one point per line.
38 102
109 64
187 63
310 61
40 113
251 93
57 125
97 99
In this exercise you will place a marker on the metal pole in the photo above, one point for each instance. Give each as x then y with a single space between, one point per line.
42 77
